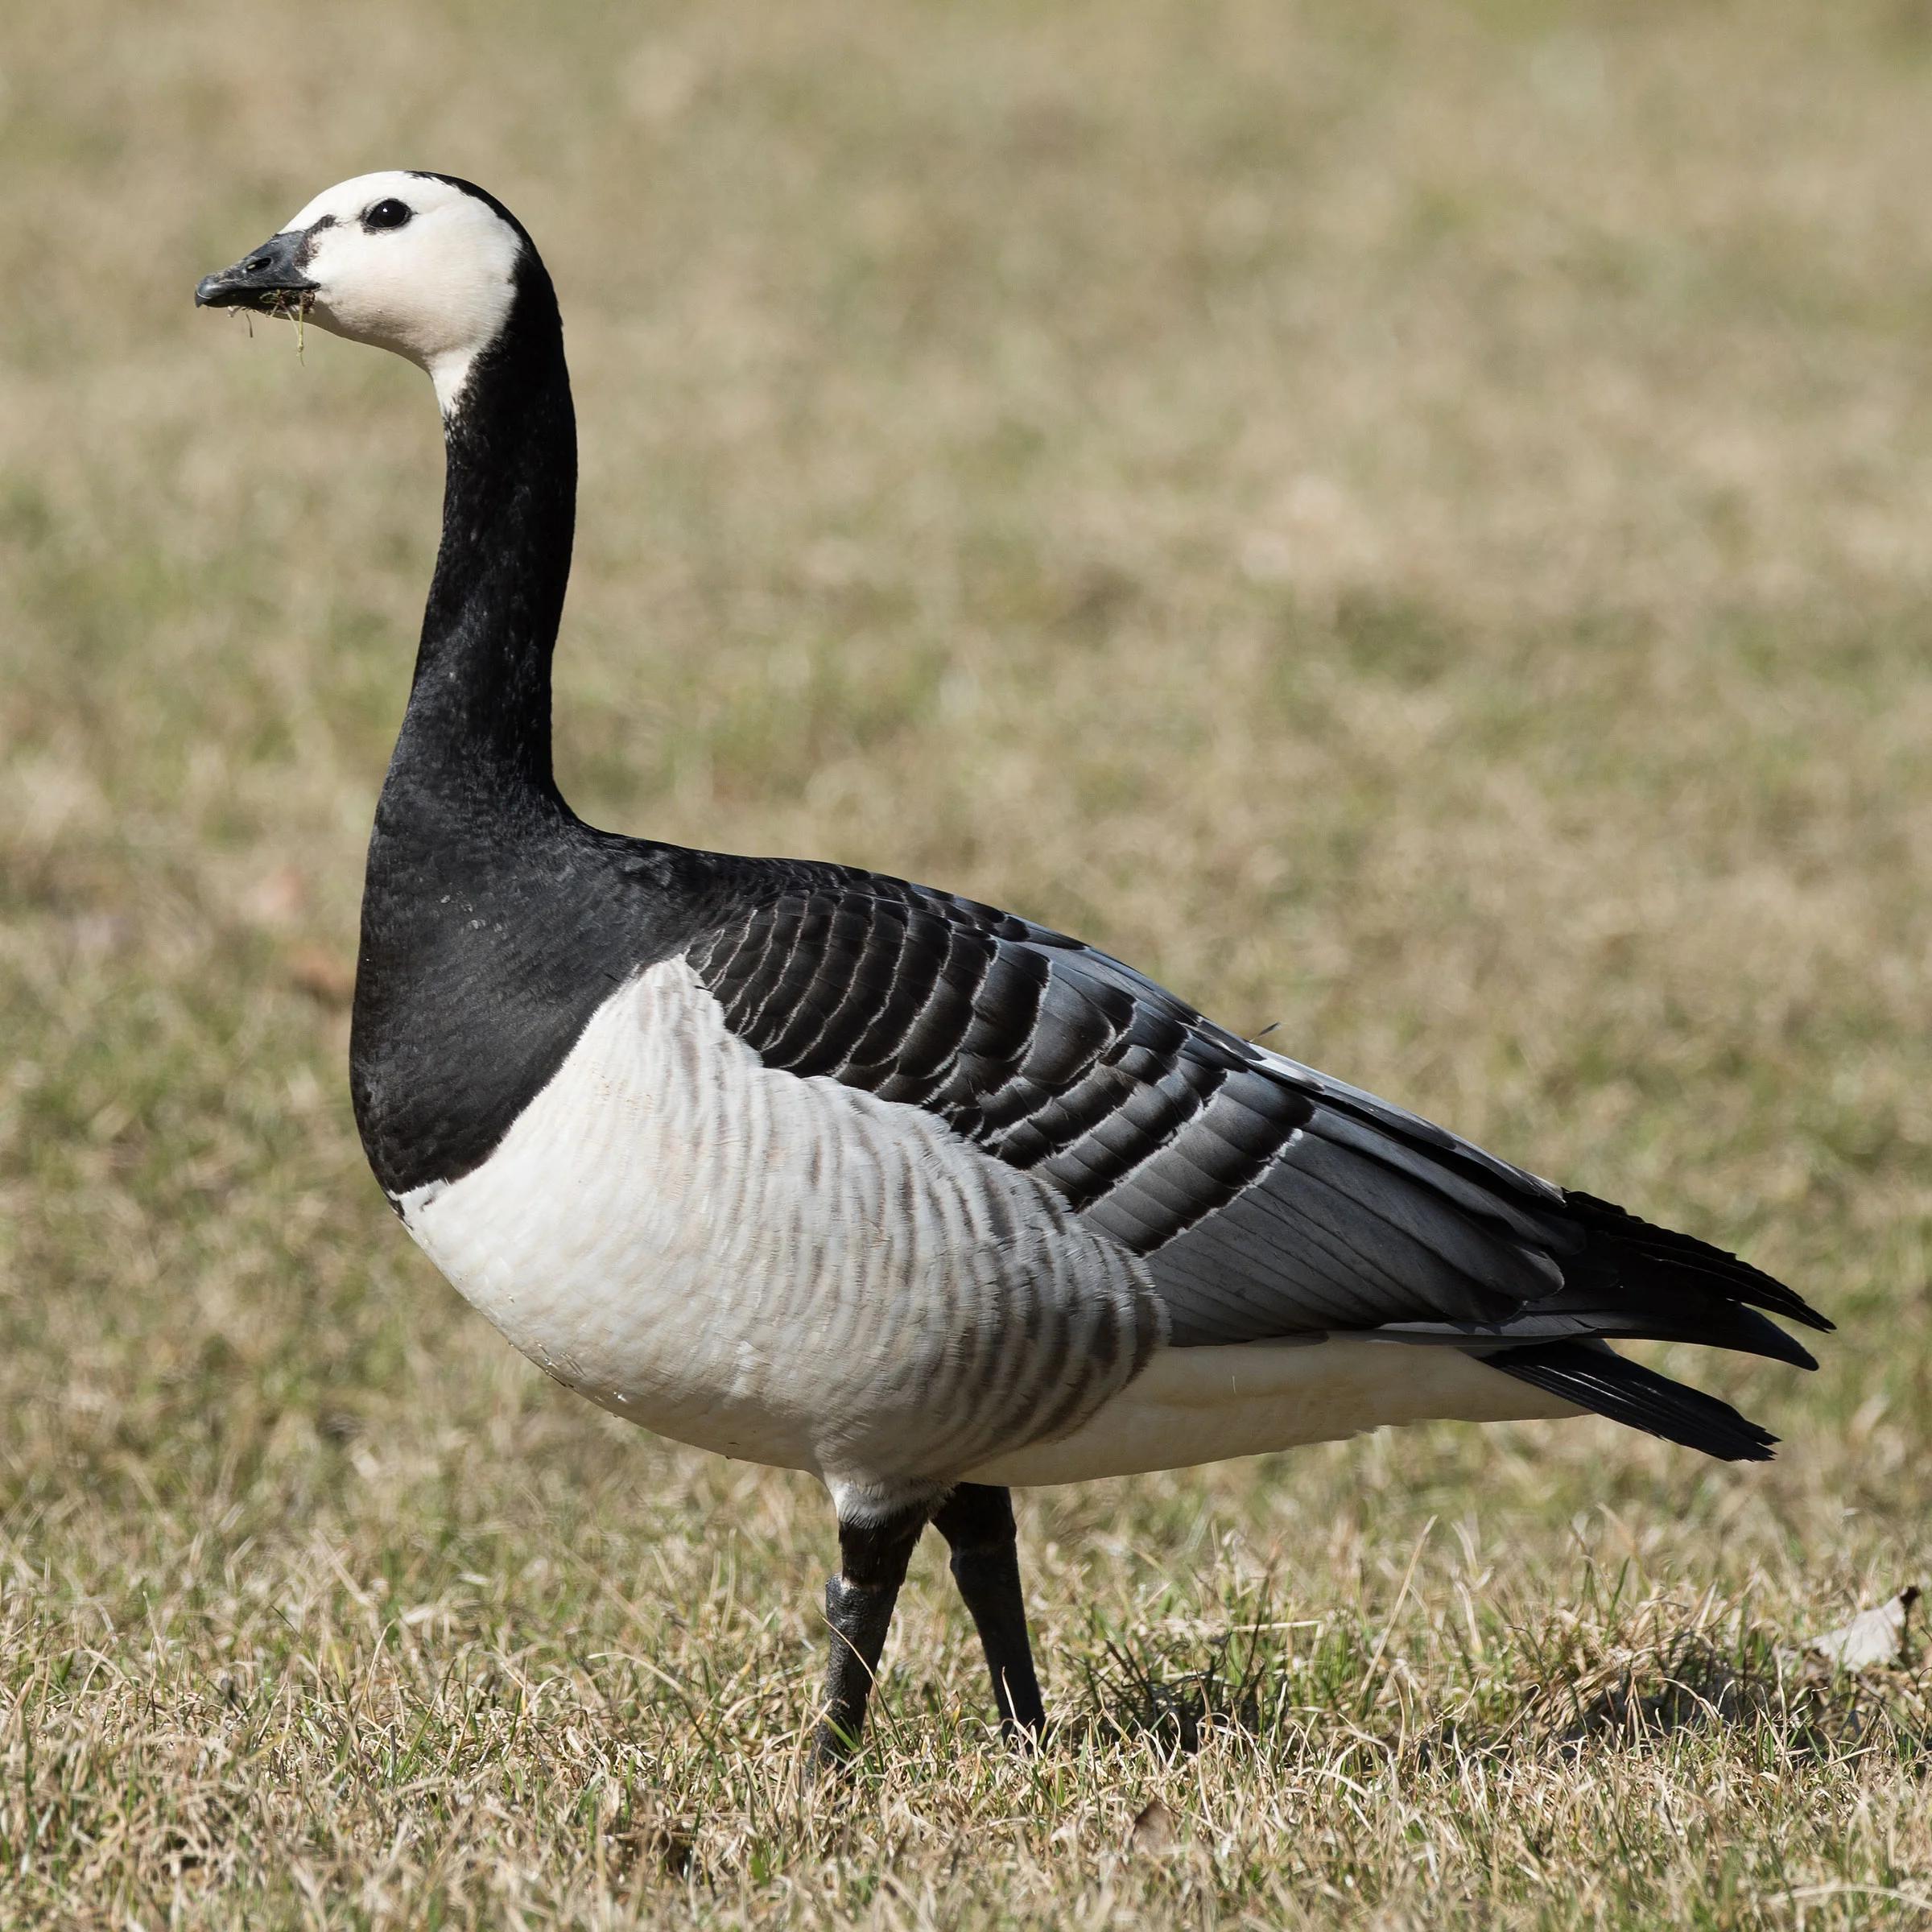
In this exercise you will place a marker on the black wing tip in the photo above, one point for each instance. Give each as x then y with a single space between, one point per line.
1657 1250
1597 1378
1757 1335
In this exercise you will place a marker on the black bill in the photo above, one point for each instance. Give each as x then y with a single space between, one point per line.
270 278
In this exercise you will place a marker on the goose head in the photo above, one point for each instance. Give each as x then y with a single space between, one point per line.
423 264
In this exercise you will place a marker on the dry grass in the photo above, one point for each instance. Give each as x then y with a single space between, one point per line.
1413 523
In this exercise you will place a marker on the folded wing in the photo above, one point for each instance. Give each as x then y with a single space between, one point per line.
1267 1200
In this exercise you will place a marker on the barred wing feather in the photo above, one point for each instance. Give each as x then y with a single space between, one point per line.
1267 1200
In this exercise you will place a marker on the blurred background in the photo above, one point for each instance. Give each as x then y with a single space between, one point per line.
1413 524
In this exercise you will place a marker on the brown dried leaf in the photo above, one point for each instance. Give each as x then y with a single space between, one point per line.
1872 1638
328 980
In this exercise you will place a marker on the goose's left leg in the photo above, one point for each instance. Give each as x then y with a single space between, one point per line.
977 1520
859 1602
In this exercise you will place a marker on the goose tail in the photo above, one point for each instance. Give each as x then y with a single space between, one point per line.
1685 1287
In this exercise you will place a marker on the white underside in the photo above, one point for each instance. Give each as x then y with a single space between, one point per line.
792 1271
1206 1405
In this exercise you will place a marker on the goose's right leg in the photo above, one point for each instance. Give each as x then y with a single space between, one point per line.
859 1603
977 1520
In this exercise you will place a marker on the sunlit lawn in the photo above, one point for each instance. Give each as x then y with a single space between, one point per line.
1412 524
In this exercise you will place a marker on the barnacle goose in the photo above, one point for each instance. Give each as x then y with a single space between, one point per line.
830 1171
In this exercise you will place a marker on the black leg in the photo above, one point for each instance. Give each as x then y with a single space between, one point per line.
858 1605
978 1521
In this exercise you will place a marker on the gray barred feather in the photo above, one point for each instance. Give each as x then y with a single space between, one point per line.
788 1270
1267 1200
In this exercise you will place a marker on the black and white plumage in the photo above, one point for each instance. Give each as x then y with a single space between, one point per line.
831 1171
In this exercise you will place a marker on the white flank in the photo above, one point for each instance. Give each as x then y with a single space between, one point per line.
1205 1405
786 1270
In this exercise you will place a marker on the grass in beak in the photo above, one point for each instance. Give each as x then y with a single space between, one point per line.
293 305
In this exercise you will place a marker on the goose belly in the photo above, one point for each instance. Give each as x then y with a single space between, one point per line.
780 1269
1206 1405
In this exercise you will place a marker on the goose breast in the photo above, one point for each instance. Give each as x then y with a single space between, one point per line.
782 1269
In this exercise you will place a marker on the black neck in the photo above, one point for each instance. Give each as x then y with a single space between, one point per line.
494 921
477 728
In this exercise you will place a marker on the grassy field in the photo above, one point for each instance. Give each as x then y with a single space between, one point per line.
1412 523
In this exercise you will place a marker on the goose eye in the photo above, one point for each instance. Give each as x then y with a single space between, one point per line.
386 214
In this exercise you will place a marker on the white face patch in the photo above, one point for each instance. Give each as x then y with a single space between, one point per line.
436 288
